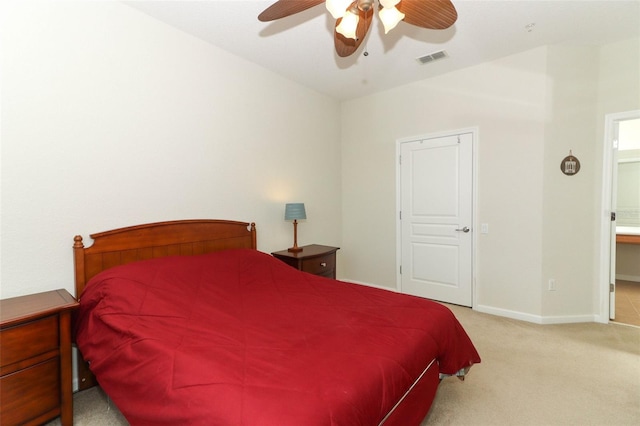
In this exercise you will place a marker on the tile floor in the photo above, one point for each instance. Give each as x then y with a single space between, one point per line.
627 302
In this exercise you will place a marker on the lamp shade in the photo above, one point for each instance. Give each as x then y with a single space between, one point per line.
294 211
390 16
337 8
349 25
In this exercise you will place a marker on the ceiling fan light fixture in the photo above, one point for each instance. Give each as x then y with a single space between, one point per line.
389 3
338 8
353 17
390 16
364 5
348 25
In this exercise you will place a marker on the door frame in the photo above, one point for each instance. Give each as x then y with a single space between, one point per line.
606 208
474 202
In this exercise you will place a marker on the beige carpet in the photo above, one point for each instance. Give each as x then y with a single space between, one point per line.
570 374
575 374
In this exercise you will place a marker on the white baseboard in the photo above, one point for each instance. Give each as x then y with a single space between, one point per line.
569 319
522 316
370 285
509 314
74 369
633 278
536 319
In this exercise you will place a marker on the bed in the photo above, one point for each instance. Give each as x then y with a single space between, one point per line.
186 322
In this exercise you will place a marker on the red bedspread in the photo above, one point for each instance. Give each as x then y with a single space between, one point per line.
239 338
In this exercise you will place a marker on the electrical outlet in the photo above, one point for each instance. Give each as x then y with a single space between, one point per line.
552 284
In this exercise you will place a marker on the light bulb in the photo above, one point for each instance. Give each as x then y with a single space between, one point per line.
338 8
389 3
390 18
348 25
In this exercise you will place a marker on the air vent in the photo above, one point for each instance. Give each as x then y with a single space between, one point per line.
432 57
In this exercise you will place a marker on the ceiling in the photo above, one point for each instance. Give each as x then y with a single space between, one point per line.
300 47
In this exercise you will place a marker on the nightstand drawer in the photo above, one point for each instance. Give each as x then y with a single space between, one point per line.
321 265
28 340
314 258
31 394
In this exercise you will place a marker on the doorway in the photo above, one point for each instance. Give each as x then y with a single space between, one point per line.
436 216
621 208
627 270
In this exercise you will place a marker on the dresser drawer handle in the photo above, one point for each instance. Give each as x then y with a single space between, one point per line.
323 264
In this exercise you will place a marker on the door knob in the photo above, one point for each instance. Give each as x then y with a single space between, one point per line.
465 229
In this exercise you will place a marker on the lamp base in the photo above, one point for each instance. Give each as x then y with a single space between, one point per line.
294 249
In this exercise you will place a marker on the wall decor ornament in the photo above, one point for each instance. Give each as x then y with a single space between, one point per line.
570 165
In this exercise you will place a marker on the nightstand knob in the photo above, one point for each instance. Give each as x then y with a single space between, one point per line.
323 264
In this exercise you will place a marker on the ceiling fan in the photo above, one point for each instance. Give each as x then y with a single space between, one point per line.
353 18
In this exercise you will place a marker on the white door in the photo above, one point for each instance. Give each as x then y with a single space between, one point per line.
436 191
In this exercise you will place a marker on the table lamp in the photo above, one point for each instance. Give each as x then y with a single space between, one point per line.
295 211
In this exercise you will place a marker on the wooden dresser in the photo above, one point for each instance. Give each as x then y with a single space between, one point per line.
314 258
35 358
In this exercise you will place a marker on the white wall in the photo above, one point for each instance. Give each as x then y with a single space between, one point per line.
110 118
505 99
569 223
531 109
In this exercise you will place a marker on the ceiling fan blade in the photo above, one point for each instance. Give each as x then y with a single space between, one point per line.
431 14
347 46
284 8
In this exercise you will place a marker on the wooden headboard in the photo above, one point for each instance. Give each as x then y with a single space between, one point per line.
153 240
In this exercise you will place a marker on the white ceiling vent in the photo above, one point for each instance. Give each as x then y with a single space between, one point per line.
432 57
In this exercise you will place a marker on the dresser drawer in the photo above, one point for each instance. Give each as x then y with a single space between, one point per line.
321 265
28 340
32 393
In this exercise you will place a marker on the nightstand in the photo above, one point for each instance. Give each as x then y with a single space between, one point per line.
314 258
35 361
